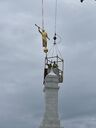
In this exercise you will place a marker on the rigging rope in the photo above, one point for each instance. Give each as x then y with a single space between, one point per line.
42 14
59 52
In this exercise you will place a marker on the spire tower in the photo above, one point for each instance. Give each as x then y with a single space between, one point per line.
51 114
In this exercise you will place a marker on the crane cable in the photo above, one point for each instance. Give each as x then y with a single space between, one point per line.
55 48
55 26
55 16
42 14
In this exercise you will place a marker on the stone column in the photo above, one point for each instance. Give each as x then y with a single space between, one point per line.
51 117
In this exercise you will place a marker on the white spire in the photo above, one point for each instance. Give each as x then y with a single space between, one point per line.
52 73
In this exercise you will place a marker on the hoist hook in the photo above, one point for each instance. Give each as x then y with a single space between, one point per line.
55 37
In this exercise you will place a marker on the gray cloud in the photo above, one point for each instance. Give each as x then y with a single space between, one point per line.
85 122
21 62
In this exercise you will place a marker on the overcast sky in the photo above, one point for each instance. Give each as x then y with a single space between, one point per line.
22 61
